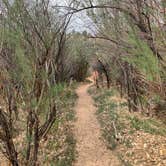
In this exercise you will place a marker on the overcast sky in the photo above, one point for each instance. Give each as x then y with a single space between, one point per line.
80 21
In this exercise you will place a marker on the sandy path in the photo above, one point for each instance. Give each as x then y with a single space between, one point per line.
91 149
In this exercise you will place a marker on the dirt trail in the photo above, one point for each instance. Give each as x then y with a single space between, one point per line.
91 149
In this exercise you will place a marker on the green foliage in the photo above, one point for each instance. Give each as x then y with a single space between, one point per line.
147 125
56 90
24 70
70 152
65 144
80 47
80 50
163 3
107 115
142 58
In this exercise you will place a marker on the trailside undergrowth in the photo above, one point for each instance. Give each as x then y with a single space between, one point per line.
59 148
134 138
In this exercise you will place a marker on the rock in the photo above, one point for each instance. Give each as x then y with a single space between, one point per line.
147 155
162 152
145 145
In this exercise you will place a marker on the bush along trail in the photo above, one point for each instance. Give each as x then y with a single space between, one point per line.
134 138
57 148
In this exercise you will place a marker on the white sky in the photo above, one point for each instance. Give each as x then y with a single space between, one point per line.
80 21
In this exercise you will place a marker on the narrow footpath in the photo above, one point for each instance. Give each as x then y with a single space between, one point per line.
90 148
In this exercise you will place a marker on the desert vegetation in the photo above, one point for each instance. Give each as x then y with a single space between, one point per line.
44 57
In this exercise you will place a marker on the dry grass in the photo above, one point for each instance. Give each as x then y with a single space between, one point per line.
137 140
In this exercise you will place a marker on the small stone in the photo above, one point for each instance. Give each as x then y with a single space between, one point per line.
145 145
162 152
148 156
